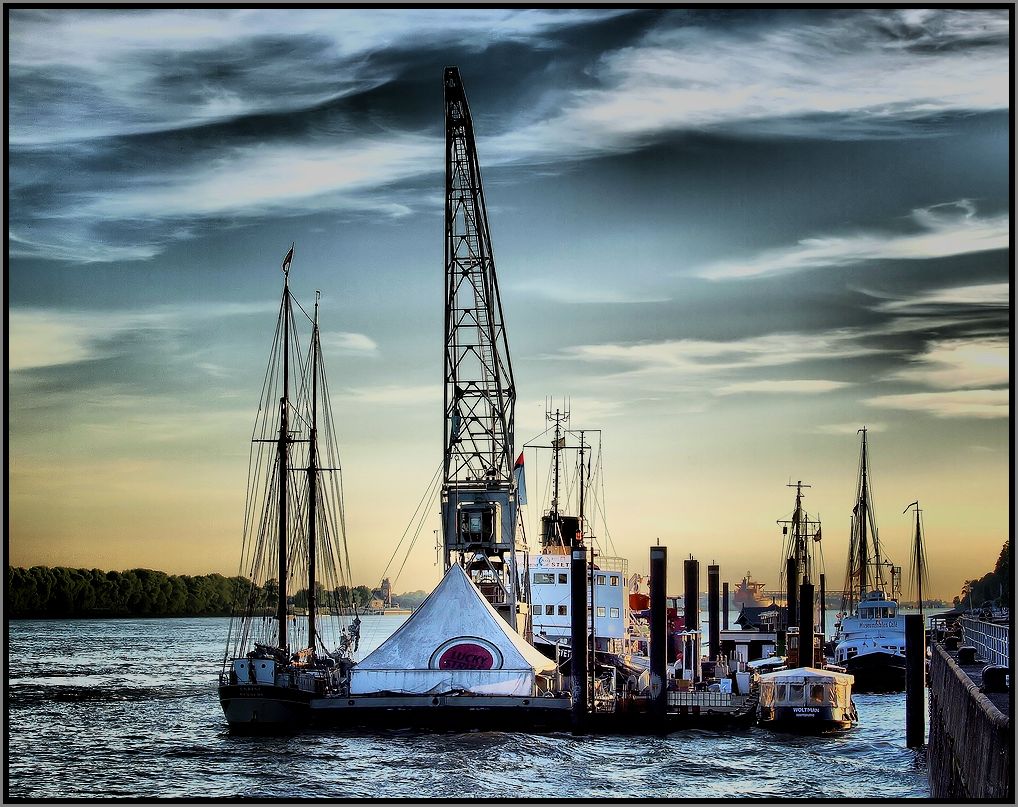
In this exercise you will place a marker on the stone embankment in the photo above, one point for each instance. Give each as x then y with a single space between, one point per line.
971 746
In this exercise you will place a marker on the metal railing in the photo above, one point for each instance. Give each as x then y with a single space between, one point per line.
991 640
701 699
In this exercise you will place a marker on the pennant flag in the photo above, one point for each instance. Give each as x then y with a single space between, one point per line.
521 480
287 259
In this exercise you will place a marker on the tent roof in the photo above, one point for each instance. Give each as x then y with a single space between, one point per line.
808 674
454 610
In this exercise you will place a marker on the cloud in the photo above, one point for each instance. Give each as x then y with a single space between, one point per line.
788 387
351 343
395 394
961 364
978 403
697 357
985 295
584 294
849 428
945 230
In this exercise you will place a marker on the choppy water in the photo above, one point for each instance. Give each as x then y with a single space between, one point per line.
128 708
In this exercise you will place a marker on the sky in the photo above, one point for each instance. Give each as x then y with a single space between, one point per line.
731 238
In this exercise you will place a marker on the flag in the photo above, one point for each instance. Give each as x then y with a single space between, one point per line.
287 259
521 480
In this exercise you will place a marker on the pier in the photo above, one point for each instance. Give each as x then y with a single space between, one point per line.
971 743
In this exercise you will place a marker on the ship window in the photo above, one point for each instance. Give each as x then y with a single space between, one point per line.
562 610
614 580
601 580
782 692
615 613
544 577
600 610
816 693
563 577
549 610
796 692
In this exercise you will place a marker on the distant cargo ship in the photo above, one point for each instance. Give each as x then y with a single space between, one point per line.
750 593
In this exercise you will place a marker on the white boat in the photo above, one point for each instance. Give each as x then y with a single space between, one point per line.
869 635
806 700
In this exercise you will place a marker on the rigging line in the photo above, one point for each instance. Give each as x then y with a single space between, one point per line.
427 494
417 534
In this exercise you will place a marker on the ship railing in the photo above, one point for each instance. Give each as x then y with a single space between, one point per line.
991 641
705 700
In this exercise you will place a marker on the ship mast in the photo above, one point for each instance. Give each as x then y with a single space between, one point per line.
283 453
918 555
479 501
313 481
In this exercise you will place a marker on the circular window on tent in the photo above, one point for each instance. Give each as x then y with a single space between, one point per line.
466 653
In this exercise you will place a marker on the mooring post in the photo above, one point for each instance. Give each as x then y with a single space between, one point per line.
724 606
915 681
691 609
658 630
578 635
823 609
713 610
806 625
791 592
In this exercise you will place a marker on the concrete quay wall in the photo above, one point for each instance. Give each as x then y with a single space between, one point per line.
970 749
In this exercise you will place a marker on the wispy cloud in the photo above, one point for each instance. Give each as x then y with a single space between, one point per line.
394 394
349 343
583 293
979 403
944 230
779 387
961 364
849 428
985 295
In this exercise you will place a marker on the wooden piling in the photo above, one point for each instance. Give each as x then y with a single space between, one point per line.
791 593
724 605
578 635
713 610
915 681
806 625
658 629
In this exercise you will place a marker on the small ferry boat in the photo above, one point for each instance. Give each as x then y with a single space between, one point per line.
806 700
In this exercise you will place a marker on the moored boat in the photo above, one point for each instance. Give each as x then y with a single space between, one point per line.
750 592
806 700
869 634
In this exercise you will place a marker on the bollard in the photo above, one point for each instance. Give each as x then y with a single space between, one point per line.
915 681
994 678
966 654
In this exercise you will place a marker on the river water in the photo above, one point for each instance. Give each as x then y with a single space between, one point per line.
100 709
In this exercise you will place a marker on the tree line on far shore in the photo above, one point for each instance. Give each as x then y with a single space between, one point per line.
993 589
61 592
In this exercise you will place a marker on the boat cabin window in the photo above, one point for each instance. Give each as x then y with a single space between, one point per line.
782 694
544 577
563 577
549 610
562 610
796 692
816 693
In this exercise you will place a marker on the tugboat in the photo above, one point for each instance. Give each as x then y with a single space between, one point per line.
870 635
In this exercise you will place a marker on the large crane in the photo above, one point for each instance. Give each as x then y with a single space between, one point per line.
479 505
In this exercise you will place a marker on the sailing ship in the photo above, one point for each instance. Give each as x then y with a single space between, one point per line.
288 644
869 634
750 593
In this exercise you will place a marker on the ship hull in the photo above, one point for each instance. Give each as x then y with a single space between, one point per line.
807 719
877 671
263 708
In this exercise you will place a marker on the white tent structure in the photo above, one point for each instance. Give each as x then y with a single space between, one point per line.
455 642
